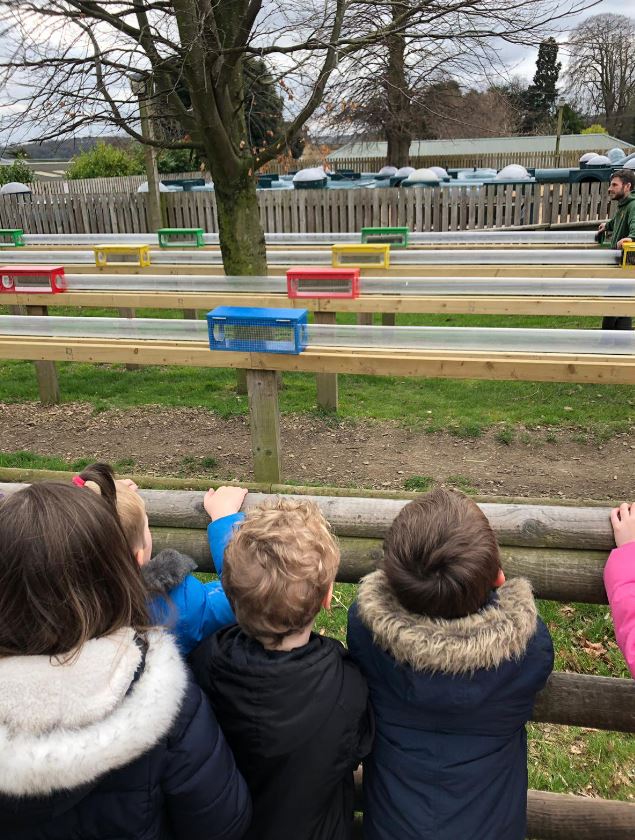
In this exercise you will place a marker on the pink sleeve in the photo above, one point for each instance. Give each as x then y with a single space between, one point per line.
619 580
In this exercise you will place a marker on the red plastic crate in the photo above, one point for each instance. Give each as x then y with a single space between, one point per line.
39 279
323 282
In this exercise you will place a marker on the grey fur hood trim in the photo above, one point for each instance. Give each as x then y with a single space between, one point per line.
66 738
166 570
499 632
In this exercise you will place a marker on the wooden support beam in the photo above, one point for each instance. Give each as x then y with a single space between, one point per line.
558 816
386 304
364 319
45 371
536 367
129 312
264 418
327 384
388 319
422 270
555 574
566 528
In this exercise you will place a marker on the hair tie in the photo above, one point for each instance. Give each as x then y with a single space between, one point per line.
78 481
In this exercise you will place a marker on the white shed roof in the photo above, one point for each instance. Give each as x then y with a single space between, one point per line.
485 145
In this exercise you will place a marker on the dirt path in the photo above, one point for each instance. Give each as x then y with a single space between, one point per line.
541 462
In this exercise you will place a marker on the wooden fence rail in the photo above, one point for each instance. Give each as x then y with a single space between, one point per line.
317 211
568 699
495 160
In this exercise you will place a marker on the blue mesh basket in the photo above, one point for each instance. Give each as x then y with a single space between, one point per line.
253 330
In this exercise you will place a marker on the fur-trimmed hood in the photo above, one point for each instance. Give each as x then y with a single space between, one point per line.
166 570
499 632
64 725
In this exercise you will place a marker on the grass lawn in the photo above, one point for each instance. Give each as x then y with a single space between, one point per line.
466 406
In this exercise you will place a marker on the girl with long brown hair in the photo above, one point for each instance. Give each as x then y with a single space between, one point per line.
102 732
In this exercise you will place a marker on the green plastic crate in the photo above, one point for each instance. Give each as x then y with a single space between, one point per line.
396 237
13 237
181 237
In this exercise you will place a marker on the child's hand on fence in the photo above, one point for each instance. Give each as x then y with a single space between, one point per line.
224 502
623 522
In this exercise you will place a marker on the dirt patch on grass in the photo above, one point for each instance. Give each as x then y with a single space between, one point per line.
186 442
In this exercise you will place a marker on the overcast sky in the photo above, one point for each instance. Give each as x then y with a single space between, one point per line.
523 62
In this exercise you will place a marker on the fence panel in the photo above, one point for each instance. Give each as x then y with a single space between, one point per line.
335 211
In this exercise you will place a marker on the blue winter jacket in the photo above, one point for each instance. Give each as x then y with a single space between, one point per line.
451 699
192 609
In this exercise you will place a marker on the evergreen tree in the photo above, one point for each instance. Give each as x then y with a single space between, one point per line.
540 97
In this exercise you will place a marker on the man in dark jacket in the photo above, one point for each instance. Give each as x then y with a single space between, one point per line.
292 705
453 668
621 229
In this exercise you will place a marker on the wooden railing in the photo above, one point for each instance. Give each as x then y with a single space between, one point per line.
315 211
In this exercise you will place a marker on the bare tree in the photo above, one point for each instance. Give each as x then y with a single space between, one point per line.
601 71
387 91
70 63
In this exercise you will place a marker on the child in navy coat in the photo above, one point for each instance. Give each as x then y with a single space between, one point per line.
454 657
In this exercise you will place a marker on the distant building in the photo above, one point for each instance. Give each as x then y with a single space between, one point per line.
471 147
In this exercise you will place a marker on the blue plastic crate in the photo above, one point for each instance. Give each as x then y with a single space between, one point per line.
253 330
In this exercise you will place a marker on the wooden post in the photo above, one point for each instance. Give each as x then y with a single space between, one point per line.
46 372
388 319
189 314
241 381
365 318
327 388
264 418
128 312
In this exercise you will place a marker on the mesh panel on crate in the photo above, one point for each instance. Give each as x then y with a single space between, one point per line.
628 254
323 282
181 237
377 255
32 278
253 330
12 236
122 255
397 236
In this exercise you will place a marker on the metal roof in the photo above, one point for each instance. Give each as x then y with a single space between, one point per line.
485 145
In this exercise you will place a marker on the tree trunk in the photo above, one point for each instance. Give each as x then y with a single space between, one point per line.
398 151
399 110
242 241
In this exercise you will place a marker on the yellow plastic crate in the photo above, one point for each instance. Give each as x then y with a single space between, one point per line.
117 255
361 256
628 255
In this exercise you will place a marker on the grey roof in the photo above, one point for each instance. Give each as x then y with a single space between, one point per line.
486 145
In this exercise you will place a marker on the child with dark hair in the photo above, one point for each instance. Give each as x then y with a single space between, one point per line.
103 733
454 657
190 608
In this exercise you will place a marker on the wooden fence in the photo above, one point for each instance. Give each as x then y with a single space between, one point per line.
561 550
104 186
540 160
316 211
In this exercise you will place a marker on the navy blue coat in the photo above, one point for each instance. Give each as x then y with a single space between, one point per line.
451 699
184 786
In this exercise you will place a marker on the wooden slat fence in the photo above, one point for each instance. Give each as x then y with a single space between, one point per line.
316 211
541 160
104 186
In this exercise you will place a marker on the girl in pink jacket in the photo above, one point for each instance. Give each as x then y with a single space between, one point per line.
619 580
